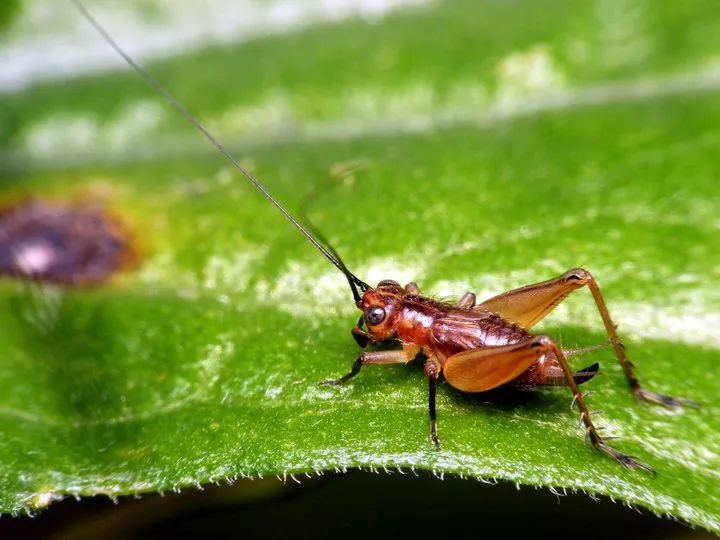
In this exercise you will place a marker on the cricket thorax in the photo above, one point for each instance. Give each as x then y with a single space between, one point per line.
415 320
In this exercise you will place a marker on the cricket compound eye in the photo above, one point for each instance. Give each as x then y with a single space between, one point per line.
375 315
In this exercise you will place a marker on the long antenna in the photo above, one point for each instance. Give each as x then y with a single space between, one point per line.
156 85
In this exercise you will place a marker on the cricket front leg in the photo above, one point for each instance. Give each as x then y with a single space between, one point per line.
407 353
528 305
362 338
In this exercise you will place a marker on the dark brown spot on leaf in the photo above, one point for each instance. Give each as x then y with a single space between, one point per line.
78 244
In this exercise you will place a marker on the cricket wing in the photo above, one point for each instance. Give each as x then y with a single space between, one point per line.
452 333
528 305
465 330
483 369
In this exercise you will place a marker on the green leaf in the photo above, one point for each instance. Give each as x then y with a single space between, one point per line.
480 152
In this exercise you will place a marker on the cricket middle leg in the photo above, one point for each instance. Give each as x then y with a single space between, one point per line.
432 370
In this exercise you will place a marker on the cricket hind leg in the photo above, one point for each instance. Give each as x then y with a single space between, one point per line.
545 344
587 373
528 305
549 373
484 369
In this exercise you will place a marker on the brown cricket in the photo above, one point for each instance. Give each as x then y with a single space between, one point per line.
480 347
475 347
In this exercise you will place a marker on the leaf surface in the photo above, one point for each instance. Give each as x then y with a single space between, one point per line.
436 158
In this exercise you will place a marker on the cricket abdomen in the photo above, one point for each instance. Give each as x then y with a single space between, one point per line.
464 330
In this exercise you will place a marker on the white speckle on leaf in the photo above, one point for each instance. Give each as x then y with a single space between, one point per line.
66 132
60 133
402 269
273 113
486 285
162 267
316 392
397 104
691 324
531 72
273 392
231 272
623 37
211 364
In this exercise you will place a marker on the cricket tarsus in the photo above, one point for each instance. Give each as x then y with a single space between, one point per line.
151 81
345 378
628 462
666 401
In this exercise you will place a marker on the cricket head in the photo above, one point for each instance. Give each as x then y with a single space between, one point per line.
380 307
